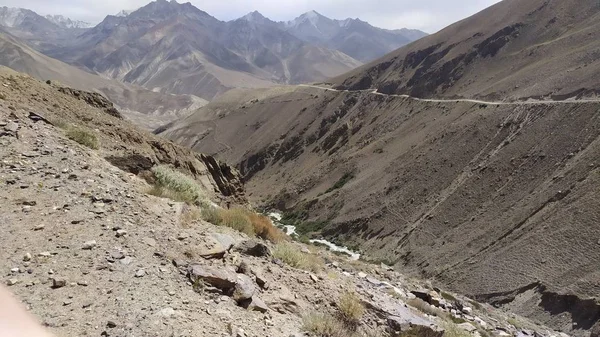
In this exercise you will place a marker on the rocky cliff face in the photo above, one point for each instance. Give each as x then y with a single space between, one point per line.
120 142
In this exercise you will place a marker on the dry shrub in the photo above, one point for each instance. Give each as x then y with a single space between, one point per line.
323 325
351 308
290 254
264 228
244 221
189 215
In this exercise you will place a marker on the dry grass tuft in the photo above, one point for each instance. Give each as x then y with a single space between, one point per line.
245 221
83 137
351 308
323 325
291 255
189 215
264 228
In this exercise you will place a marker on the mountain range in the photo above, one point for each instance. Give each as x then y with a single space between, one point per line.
177 48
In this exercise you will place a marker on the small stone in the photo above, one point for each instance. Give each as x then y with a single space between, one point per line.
127 260
255 304
362 275
111 324
82 283
117 255
67 303
140 273
45 254
89 245
12 282
58 283
27 257
467 310
314 278
15 270
149 241
167 312
121 233
39 227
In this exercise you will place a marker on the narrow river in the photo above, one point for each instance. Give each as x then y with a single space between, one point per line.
291 231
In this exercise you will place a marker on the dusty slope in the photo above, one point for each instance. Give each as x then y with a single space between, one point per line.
89 253
133 100
514 49
485 198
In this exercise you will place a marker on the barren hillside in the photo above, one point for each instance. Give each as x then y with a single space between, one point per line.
89 250
513 50
148 108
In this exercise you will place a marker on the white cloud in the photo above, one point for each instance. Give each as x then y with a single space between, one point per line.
428 15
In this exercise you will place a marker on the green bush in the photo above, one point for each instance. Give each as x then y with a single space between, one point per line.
177 186
341 182
290 254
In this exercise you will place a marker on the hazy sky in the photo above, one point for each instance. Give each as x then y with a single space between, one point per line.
427 15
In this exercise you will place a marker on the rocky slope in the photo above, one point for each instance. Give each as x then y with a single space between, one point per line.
353 37
513 50
147 108
90 253
496 200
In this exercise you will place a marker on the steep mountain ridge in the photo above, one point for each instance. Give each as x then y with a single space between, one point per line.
353 37
493 199
177 48
149 109
513 50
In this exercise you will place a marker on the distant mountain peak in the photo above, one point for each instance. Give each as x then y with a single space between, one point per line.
255 16
65 22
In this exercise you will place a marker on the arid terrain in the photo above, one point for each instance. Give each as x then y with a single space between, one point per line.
469 157
89 252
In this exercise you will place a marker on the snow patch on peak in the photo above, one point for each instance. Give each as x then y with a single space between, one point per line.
11 17
124 13
67 23
254 17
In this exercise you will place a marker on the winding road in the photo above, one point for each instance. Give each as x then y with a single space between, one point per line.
458 100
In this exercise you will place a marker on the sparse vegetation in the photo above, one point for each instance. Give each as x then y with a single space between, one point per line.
324 325
245 221
448 296
177 186
290 254
341 182
514 322
351 308
189 215
452 330
83 137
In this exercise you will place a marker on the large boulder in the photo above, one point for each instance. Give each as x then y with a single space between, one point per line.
216 246
595 330
255 304
253 248
220 278
244 288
